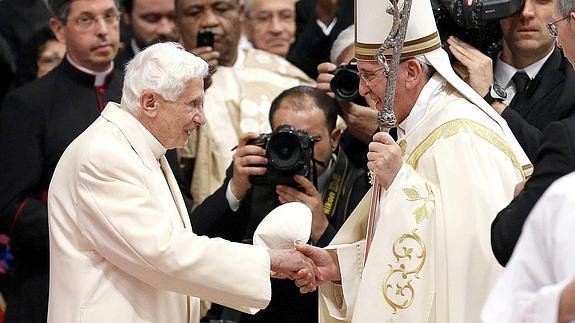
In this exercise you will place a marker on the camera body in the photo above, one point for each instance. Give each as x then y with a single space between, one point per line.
476 21
289 152
345 83
205 38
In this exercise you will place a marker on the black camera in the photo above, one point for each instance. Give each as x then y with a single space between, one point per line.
345 83
205 38
474 21
289 152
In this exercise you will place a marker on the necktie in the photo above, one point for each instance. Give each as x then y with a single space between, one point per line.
521 80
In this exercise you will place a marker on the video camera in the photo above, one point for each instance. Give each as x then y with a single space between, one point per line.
474 21
289 152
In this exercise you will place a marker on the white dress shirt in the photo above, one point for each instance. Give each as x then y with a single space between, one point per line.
503 74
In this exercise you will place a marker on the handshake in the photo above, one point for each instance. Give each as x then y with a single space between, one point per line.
306 265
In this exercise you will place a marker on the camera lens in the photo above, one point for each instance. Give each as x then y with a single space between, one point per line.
345 83
284 151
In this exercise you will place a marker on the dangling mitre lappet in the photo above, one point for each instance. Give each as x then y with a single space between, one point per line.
423 253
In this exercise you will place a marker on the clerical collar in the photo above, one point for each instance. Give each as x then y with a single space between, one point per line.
504 72
324 177
429 94
99 77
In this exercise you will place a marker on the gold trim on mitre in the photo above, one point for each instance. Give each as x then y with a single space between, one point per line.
410 48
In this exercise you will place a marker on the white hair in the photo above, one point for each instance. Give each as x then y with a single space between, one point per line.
163 68
341 43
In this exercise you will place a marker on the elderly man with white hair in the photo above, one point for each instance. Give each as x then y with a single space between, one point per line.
121 244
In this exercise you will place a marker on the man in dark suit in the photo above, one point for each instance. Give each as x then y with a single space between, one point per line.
318 23
237 207
150 22
555 159
535 75
37 122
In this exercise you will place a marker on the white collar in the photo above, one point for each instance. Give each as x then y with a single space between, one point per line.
504 72
427 97
99 77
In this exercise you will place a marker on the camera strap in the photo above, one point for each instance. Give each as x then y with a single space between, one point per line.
332 191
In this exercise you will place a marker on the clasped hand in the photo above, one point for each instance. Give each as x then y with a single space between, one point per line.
306 265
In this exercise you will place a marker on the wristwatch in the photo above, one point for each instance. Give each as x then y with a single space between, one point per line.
496 93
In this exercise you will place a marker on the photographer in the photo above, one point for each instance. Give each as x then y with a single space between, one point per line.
237 207
361 120
534 74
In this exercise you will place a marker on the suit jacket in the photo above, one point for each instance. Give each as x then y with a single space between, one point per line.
312 46
215 218
549 98
555 159
37 122
121 244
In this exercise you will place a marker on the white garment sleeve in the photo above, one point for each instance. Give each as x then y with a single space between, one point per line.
340 299
530 287
233 202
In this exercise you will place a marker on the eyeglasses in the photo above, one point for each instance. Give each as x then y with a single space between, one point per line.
552 27
370 76
88 22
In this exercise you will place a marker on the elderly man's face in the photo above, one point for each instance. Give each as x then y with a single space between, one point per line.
222 17
91 33
176 119
525 33
373 85
270 25
312 121
566 37
152 21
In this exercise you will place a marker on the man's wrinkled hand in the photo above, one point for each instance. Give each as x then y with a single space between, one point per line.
326 267
384 158
290 263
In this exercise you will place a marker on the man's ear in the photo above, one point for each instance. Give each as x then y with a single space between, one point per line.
335 137
58 29
149 104
413 74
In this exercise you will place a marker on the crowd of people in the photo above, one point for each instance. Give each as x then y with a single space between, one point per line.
138 163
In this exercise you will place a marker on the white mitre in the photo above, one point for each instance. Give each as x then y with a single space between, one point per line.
373 25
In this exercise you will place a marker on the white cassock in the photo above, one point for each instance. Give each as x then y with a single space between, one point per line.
121 244
542 262
431 259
